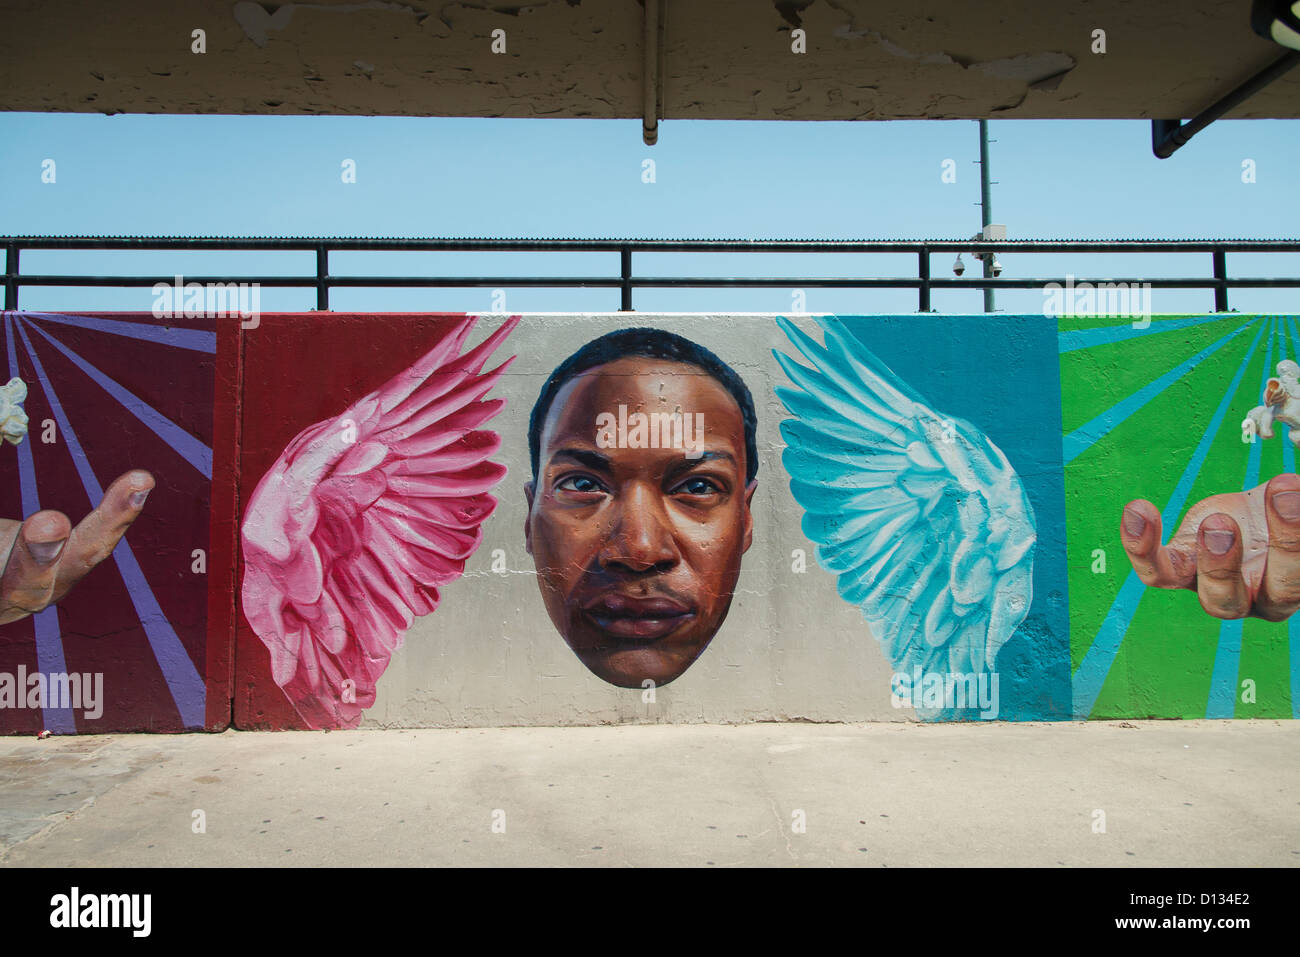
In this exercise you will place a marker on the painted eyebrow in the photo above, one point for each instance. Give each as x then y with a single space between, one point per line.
592 460
687 465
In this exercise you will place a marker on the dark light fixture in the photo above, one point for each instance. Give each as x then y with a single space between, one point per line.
1277 20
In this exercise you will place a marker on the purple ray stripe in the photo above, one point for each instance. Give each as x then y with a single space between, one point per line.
187 446
178 670
49 640
196 339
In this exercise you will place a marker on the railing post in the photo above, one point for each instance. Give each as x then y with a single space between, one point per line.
625 265
923 257
1220 287
11 276
322 278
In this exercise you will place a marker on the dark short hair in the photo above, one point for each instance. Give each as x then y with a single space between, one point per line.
650 344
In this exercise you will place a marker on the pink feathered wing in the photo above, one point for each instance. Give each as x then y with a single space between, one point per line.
348 536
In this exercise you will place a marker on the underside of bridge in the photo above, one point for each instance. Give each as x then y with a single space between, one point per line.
660 59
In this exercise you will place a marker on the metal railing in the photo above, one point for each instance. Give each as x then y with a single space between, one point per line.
627 280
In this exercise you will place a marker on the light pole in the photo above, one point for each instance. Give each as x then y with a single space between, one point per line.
986 210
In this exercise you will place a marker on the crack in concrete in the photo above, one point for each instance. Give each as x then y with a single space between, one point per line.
789 848
1039 71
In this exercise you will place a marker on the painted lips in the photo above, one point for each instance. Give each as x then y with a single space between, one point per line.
636 619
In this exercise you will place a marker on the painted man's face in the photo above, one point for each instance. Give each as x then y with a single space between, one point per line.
638 548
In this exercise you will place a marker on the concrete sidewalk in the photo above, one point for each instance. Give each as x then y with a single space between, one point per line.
1200 793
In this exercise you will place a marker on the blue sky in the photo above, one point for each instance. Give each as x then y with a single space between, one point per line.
276 176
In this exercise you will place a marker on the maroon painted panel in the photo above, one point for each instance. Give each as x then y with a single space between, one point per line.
349 357
109 393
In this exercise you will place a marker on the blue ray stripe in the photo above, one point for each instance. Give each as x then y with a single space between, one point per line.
198 340
1222 701
178 670
1086 435
187 446
49 639
1088 338
1094 668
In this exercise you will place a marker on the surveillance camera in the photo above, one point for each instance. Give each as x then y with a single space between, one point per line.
996 267
958 267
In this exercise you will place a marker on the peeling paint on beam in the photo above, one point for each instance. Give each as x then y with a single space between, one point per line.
727 59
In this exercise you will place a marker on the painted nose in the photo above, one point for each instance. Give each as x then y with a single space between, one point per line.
641 538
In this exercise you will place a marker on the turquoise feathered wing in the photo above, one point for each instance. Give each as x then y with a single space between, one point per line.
922 519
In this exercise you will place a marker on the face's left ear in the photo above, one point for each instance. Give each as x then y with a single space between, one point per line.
528 518
749 515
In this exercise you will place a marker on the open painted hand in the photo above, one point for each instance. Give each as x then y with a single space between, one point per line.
45 556
1240 552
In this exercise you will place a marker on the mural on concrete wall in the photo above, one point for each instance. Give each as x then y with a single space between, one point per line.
638 533
363 516
918 514
1178 430
110 425
924 453
1035 518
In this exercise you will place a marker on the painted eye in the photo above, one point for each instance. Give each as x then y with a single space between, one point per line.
579 483
698 486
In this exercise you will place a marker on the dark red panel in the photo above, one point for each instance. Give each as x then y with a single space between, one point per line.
349 357
99 622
